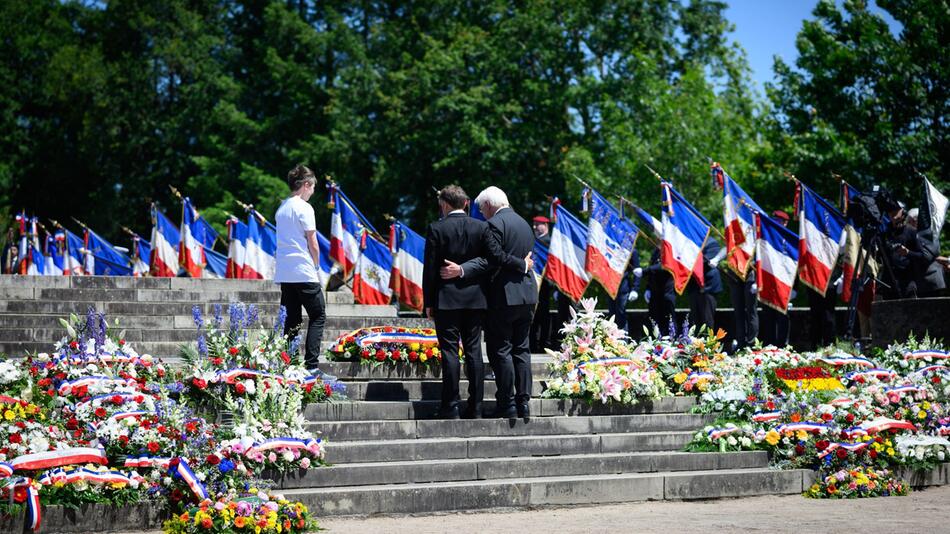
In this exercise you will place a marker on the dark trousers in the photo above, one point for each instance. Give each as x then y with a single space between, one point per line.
541 322
564 305
702 309
454 328
509 353
310 296
822 317
618 307
745 312
661 308
775 327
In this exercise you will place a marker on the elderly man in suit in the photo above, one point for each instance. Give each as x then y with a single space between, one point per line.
512 295
457 306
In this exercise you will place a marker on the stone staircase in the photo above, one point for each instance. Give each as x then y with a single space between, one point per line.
389 453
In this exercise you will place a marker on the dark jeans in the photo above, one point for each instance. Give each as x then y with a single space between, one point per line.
455 327
541 323
310 296
506 339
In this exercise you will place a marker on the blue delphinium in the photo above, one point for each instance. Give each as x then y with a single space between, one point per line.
281 319
235 318
295 344
251 317
226 466
196 316
217 316
102 326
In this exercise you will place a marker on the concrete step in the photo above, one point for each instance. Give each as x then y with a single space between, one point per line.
429 409
119 308
344 452
359 371
349 430
440 470
415 390
548 491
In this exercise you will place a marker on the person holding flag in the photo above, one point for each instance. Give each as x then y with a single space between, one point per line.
298 262
541 322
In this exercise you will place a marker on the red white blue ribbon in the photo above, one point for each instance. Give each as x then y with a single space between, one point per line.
58 458
910 388
933 369
32 500
807 426
66 387
883 423
764 417
72 476
717 433
282 443
842 401
186 474
147 461
839 360
396 337
606 361
852 447
6 470
923 354
880 374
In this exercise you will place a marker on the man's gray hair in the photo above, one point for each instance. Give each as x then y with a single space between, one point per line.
492 197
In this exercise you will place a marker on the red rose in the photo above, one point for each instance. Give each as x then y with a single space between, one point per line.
750 398
176 494
327 390
413 356
935 379
380 355
770 405
396 354
121 342
44 382
757 361
217 361
429 352
239 388
849 418
286 357
161 373
138 398
873 454
821 445
124 439
199 383
799 450
16 438
100 412
213 459
827 416
365 354
51 392
72 423
116 399
21 425
233 351
74 345
841 454
152 447
859 379
20 494
309 387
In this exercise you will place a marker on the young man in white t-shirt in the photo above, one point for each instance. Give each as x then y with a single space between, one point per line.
298 260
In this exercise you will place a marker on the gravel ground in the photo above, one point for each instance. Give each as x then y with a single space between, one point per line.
921 511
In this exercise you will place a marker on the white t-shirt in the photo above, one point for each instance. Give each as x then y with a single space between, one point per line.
294 263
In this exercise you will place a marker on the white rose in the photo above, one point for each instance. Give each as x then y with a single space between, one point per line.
250 386
732 441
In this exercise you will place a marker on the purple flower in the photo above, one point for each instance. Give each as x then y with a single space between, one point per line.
202 344
196 316
217 316
252 316
281 319
235 318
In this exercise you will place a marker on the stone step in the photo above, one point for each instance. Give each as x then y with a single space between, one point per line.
593 463
126 308
359 371
415 390
548 491
349 430
429 409
344 452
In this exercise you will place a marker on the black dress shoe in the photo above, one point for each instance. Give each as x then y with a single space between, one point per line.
452 413
506 413
524 412
473 413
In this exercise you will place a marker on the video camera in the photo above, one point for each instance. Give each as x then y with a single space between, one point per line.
869 211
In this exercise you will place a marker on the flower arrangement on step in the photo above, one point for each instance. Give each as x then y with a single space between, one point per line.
379 345
858 482
261 514
597 362
95 422
683 359
231 360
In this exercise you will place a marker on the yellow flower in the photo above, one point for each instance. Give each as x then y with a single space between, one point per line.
925 405
423 357
679 378
890 451
415 346
921 415
9 415
772 437
801 435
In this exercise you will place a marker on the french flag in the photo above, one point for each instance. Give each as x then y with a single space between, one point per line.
568 254
776 262
237 242
56 246
327 268
191 252
739 220
37 266
217 266
103 259
23 249
649 221
346 227
540 256
260 259
408 259
852 243
165 243
74 252
822 235
141 252
684 234
610 243
372 273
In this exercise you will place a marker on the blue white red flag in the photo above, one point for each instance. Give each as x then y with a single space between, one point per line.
327 268
649 221
56 248
822 235
408 250
191 248
141 255
37 265
346 230
739 221
75 250
373 269
610 243
848 192
540 256
684 234
217 266
776 262
237 247
260 259
23 248
165 244
567 254
103 259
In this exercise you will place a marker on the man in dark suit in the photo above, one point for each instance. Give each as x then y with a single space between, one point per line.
512 295
457 306
702 298
660 294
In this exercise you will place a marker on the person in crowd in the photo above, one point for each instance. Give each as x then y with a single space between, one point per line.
628 291
925 261
456 306
541 322
660 293
512 296
702 298
745 313
774 325
298 261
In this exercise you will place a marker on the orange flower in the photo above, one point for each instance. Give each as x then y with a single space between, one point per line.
185 517
240 521
796 417
720 334
206 522
286 524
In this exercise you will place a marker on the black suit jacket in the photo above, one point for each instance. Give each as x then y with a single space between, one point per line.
659 281
507 241
457 238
